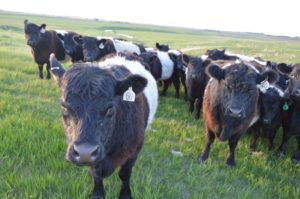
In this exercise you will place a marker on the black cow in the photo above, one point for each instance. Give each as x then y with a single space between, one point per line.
94 48
71 47
230 104
273 108
105 111
293 113
43 42
196 80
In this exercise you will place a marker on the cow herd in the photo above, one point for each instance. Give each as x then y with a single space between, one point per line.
109 97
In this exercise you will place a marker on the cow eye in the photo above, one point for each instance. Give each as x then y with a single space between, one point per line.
109 112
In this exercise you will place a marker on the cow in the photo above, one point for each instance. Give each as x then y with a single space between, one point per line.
273 108
292 93
43 42
106 108
71 47
196 80
230 103
95 48
164 67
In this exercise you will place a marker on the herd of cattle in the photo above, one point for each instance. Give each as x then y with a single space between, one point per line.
110 96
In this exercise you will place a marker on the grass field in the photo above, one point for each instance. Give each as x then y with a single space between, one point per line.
32 142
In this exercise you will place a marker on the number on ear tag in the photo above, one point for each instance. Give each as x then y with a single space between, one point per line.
43 30
129 95
101 45
285 106
265 84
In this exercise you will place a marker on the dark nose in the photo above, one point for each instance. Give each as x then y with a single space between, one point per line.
235 112
85 153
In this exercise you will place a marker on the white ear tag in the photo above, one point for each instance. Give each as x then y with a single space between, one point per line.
43 30
264 86
101 45
129 95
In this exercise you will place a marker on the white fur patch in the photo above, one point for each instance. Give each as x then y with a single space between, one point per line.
253 68
150 49
255 118
62 32
175 52
204 57
271 86
125 46
167 65
247 58
135 67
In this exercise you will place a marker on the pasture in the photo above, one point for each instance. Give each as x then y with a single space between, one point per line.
33 145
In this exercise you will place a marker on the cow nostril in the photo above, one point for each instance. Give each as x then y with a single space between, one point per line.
75 152
95 152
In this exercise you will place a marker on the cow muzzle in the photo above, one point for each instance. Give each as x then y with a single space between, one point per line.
85 154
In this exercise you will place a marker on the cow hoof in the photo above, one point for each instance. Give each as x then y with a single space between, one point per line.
97 197
197 117
280 153
296 158
41 77
48 77
231 164
125 197
202 159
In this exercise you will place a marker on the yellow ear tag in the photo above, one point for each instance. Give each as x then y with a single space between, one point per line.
129 95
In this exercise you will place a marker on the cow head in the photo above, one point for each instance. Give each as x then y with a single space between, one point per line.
215 54
93 48
153 62
162 47
238 88
293 88
70 45
34 33
91 100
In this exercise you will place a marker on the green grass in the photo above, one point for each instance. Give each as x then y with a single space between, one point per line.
32 142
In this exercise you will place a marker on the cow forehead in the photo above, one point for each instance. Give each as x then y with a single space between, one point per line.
31 28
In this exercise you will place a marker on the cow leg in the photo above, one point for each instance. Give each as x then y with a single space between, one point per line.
255 131
48 70
271 136
182 79
165 87
98 191
192 102
41 71
296 156
285 138
125 174
232 145
210 137
176 84
198 107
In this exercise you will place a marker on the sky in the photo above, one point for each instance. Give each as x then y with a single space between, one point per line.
276 17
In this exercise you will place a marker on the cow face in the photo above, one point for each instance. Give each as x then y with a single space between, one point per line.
215 54
293 88
33 33
69 44
238 88
271 105
93 48
153 62
162 47
90 107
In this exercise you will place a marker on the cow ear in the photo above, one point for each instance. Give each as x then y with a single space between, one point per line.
223 51
56 69
60 36
43 28
136 82
185 59
269 75
157 45
206 63
78 39
173 57
215 71
25 22
284 68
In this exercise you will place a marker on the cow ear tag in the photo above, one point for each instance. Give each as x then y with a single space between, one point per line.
129 95
101 45
43 30
285 106
265 84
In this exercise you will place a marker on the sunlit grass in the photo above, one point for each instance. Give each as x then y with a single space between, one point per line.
32 142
